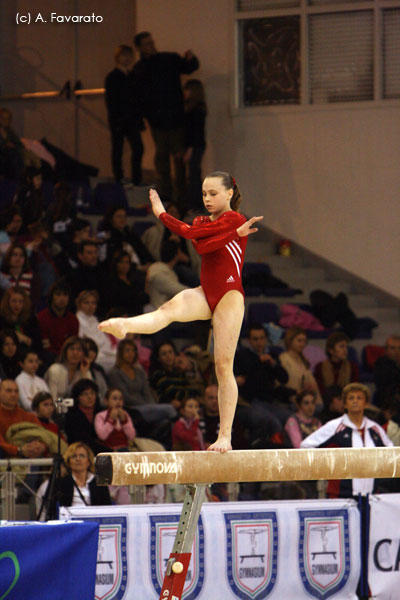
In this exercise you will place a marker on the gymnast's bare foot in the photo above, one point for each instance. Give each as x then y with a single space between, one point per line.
223 444
116 327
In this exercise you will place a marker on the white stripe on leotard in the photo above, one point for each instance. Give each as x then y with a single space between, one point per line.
234 258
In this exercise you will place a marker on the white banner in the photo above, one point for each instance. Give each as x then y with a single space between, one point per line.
384 547
247 550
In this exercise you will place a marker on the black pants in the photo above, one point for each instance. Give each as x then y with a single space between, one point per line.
169 143
131 131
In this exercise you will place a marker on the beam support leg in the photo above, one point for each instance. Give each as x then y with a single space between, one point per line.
179 559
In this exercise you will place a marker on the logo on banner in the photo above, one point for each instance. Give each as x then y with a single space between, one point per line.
324 551
162 536
111 569
252 553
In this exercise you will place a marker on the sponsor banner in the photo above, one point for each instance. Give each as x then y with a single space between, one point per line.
384 547
246 550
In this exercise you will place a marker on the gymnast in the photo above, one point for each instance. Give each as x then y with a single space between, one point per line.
221 240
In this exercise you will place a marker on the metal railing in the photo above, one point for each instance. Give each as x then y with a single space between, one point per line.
67 92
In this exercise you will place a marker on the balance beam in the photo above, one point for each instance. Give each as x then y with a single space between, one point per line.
149 468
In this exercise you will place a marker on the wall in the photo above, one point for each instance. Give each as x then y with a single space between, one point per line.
327 178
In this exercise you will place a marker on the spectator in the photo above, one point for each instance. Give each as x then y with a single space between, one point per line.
166 378
72 365
389 417
186 434
333 404
195 140
56 322
296 365
351 430
10 414
303 422
209 420
119 236
79 420
9 354
69 241
11 148
88 275
124 114
336 369
125 291
158 76
61 211
188 269
16 268
87 303
10 227
97 372
259 374
43 406
114 426
29 384
387 368
15 314
29 198
80 460
162 281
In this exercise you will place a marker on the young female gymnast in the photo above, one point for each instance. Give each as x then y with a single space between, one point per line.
221 240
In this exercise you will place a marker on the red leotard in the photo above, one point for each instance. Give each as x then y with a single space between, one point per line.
221 248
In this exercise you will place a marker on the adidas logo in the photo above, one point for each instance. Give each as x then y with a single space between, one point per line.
230 280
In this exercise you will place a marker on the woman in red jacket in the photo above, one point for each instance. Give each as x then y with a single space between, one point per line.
220 239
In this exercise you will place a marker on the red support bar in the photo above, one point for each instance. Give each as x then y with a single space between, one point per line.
173 585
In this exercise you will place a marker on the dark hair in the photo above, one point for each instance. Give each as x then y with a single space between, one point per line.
5 267
116 258
79 224
254 327
331 392
229 183
58 286
39 398
73 339
111 390
197 98
334 338
30 173
5 333
137 40
154 359
120 350
106 223
81 386
25 351
300 396
82 245
122 49
7 215
90 344
169 249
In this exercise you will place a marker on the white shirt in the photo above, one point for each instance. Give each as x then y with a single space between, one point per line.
28 386
88 327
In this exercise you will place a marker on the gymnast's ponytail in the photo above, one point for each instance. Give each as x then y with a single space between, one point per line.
229 183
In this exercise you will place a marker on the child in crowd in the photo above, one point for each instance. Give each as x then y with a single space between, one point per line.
43 406
113 425
28 382
186 434
195 141
303 422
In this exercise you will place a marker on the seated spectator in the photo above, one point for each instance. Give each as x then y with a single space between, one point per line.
56 322
333 404
43 406
10 227
10 414
119 237
69 242
114 425
166 379
259 374
351 430
77 488
144 353
186 434
209 420
72 365
9 354
16 314
29 384
162 281
88 274
97 372
126 286
87 303
129 377
187 362
79 420
303 422
389 417
296 365
16 269
61 211
187 270
336 369
11 148
29 197
42 251
387 369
